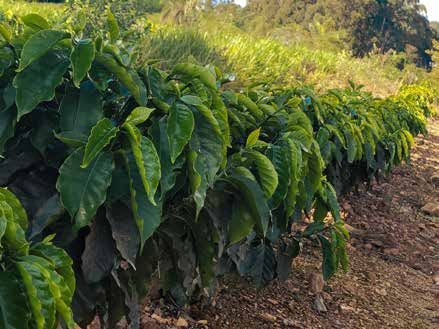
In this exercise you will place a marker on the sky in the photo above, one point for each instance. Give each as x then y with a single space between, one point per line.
432 9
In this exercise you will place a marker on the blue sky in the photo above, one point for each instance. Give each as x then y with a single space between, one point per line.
432 9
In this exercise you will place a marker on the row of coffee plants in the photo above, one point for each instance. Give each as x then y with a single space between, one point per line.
152 178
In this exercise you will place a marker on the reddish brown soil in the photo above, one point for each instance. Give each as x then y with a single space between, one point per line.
394 256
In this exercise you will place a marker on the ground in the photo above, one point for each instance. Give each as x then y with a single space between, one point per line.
394 266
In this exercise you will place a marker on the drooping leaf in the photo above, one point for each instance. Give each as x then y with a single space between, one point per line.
180 127
124 231
100 251
101 135
14 313
39 296
241 223
255 200
267 174
37 82
146 214
147 160
82 190
82 58
329 261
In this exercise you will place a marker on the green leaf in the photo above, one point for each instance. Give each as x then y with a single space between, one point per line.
280 157
260 263
255 200
253 138
38 45
38 81
83 191
266 171
82 58
188 72
128 77
329 260
5 33
101 135
13 238
35 21
241 223
14 313
18 211
139 115
72 138
181 124
39 296
146 214
113 27
147 160
80 110
7 126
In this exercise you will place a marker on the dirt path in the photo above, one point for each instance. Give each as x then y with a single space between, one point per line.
394 255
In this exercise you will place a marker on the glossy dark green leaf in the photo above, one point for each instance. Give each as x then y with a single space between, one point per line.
83 191
101 135
82 58
38 45
146 214
72 138
255 200
260 263
180 127
147 160
329 265
14 313
80 110
37 82
267 174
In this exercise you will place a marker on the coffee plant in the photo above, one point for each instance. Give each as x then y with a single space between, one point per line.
156 179
36 280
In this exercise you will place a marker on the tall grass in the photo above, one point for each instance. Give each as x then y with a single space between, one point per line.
264 59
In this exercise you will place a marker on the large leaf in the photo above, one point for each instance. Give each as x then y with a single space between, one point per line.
266 172
83 191
100 252
206 155
35 21
13 236
39 296
260 263
124 231
101 135
255 200
146 214
80 110
139 115
281 159
180 127
147 160
242 221
7 126
18 211
38 81
47 214
82 57
38 45
14 313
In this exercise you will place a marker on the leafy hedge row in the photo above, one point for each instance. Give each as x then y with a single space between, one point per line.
144 174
